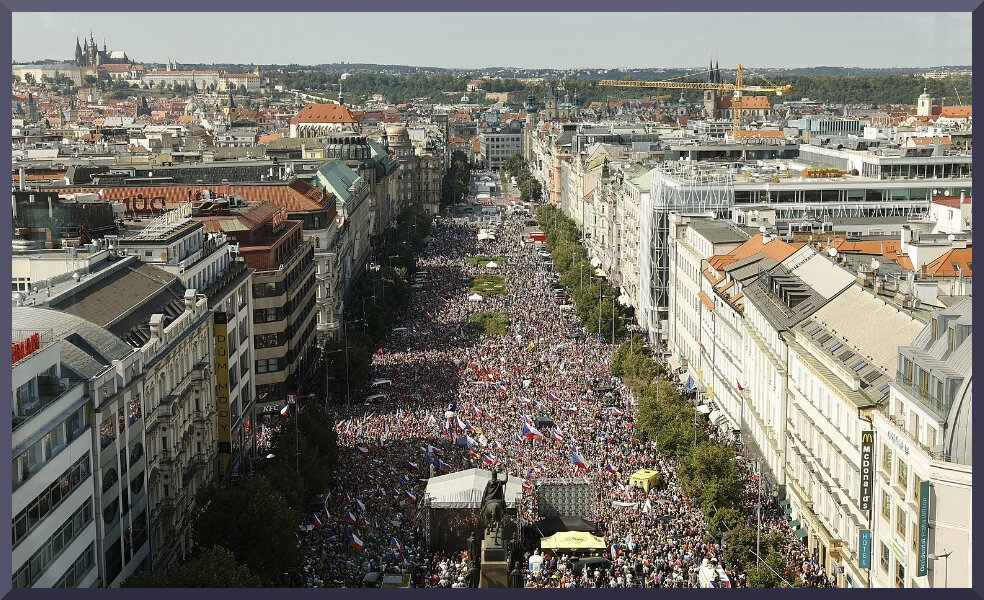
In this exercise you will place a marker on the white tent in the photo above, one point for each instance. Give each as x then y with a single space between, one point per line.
475 298
492 264
464 489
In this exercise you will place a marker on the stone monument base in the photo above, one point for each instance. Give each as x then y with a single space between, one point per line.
495 571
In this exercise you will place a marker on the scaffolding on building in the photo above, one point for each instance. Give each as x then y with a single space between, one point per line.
682 188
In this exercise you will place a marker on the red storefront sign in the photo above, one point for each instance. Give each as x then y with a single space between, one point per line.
26 347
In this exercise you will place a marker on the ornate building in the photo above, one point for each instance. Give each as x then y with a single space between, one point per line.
90 56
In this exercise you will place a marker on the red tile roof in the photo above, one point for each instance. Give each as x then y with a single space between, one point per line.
324 113
944 265
298 195
950 201
956 112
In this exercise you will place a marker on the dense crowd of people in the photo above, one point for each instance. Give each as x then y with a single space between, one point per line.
458 400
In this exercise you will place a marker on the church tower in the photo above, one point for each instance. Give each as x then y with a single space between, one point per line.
924 105
78 52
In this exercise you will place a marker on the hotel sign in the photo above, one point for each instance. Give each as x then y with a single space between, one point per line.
222 408
864 549
923 528
867 469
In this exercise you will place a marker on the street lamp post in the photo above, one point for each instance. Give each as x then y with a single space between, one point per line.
946 571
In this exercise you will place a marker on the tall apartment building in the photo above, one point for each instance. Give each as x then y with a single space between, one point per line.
921 505
284 312
204 261
54 501
156 415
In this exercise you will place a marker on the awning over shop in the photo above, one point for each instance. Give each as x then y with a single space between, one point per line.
784 503
794 524
787 511
703 409
573 540
800 533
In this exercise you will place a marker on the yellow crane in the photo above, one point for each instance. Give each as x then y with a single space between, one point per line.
736 88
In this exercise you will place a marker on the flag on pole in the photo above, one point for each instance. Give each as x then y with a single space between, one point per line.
740 387
362 450
411 496
355 542
615 411
552 397
442 465
573 410
395 544
500 387
459 422
490 460
556 435
413 466
316 521
359 504
527 487
349 518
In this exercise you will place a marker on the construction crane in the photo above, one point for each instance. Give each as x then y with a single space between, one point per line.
737 89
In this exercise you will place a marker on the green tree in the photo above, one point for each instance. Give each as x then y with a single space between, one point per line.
252 520
29 78
215 567
722 521
710 476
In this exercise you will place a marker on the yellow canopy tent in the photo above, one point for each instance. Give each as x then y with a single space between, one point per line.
645 478
573 540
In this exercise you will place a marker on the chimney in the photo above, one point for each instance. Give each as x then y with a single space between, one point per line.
963 195
189 300
157 326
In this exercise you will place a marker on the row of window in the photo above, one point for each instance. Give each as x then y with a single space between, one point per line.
29 518
53 547
76 573
44 450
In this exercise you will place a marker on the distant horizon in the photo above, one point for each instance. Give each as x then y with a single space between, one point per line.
537 41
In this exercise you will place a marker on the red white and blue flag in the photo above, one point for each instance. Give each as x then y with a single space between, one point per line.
531 432
355 542
578 461
349 518
490 460
500 387
395 544
442 465
359 504
552 397
527 487
411 496
285 411
413 466
573 410
615 411
610 469
556 435
460 423
316 521
362 450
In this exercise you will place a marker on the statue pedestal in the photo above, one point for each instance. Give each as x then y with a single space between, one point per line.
495 571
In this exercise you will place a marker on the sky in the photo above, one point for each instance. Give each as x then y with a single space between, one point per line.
531 40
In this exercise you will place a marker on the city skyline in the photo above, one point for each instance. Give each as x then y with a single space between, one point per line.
849 39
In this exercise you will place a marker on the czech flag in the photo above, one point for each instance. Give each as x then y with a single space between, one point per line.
355 542
359 504
349 518
490 460
500 387
413 466
459 423
556 435
531 432
578 461
527 487
615 411
395 544
443 465
552 397
411 496
529 402
495 445
573 410
610 469
316 520
285 411
527 420
362 450
476 411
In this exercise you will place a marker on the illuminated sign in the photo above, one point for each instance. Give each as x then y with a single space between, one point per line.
224 423
26 347
867 468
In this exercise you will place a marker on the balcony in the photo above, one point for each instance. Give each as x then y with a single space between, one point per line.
49 391
920 393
